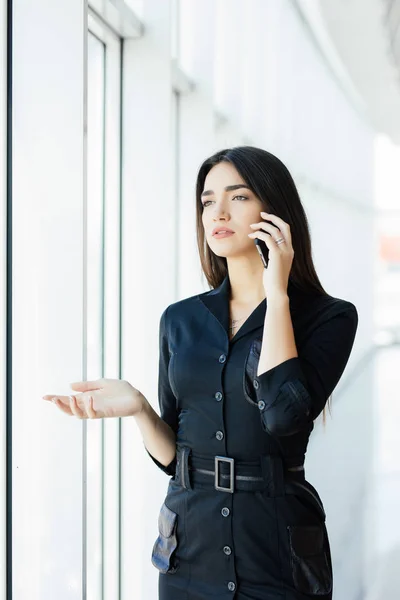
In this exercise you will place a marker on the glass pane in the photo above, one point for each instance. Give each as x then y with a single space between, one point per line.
95 244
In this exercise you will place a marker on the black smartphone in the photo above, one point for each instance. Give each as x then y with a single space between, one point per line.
263 250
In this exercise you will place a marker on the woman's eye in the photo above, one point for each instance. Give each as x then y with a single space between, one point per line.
207 201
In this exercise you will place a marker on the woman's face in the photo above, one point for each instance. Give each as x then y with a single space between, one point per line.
234 209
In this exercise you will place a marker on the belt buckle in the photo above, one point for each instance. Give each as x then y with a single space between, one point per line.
219 459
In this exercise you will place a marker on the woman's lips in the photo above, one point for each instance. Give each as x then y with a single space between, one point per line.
223 234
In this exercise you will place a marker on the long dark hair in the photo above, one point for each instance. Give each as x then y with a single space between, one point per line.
272 183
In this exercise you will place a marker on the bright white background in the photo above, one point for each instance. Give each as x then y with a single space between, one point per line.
109 128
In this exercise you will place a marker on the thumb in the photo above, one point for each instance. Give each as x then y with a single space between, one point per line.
86 386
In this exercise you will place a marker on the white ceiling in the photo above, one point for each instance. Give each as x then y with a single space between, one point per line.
356 39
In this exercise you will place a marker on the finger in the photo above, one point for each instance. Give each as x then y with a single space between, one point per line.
90 408
63 399
283 226
267 239
61 406
273 218
274 231
284 231
75 409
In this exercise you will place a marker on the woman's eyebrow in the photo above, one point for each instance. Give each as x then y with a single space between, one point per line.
229 188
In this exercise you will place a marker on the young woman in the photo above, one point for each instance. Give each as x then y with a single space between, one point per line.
244 370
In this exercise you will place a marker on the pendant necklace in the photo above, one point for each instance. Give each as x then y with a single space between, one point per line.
234 321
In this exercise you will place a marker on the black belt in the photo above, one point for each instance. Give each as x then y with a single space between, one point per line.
226 474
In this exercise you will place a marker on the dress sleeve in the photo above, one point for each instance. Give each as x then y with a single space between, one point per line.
166 397
292 394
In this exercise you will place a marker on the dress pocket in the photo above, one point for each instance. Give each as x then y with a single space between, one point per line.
163 554
311 568
307 494
249 372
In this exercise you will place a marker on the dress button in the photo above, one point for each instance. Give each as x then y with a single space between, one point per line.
227 550
219 435
222 358
225 511
218 396
231 586
261 404
256 384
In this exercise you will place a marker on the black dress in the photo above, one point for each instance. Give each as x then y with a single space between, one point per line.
268 543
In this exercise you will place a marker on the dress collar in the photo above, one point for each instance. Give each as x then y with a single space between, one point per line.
217 302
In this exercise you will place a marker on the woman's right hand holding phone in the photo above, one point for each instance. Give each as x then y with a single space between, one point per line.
100 399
